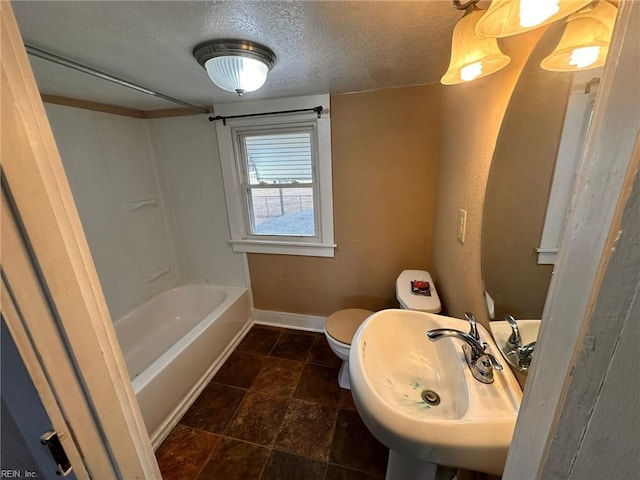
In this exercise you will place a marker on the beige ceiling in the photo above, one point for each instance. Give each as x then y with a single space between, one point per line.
321 46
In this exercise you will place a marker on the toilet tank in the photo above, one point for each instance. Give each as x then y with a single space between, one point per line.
415 291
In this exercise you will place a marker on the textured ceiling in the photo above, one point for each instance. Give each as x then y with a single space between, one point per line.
321 46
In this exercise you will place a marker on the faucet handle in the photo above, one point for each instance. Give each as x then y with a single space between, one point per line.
514 340
474 328
493 361
525 356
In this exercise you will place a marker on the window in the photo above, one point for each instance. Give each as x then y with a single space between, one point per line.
574 132
278 182
277 175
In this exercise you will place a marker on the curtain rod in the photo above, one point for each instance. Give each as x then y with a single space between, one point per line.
65 62
317 109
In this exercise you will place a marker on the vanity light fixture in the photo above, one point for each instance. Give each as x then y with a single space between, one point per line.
511 17
585 41
472 56
235 65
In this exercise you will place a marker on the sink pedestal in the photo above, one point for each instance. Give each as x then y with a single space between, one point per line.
401 467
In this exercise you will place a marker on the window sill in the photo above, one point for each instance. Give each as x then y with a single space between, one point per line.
284 248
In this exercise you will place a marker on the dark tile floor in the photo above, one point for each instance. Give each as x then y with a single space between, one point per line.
274 411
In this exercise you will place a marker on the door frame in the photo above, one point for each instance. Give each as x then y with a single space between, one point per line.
88 367
577 338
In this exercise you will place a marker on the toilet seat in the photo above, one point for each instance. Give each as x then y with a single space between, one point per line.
339 329
341 326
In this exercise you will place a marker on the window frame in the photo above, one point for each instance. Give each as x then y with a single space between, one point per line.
578 116
238 135
234 177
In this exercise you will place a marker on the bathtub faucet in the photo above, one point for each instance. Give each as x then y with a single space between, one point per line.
480 362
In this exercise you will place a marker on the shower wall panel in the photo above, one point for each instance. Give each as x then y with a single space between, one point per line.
118 192
187 149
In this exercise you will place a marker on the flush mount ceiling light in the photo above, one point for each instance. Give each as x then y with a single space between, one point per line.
235 65
510 17
472 56
585 41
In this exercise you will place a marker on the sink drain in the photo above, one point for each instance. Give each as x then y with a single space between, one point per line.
430 397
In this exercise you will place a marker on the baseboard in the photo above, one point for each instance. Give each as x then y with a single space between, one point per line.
295 321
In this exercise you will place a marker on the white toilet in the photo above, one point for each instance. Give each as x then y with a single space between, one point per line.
414 291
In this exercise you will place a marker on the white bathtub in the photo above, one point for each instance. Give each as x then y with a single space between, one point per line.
174 343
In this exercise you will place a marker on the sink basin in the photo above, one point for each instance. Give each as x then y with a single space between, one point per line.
395 372
501 331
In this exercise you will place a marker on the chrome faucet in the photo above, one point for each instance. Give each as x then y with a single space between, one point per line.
479 360
514 340
519 355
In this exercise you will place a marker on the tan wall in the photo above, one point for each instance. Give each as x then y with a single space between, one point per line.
472 114
384 148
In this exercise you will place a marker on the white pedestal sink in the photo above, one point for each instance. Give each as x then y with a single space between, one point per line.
419 398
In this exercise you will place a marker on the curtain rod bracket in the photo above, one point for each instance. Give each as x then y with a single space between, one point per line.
319 109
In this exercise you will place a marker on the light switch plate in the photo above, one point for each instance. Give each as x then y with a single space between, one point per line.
462 224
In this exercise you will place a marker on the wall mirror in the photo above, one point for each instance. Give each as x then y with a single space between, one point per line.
530 182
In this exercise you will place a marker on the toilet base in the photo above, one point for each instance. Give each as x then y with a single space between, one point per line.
343 376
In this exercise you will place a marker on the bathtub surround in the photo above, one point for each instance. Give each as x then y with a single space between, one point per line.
150 196
188 151
113 178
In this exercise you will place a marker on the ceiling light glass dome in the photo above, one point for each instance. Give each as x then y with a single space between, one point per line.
511 17
235 65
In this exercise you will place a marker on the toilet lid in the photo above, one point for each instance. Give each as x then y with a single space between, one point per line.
412 301
342 325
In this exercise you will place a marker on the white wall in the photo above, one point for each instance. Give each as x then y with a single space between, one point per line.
187 149
111 171
151 199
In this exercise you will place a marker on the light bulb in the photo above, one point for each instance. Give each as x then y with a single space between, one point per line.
534 12
237 74
469 72
585 56
253 74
